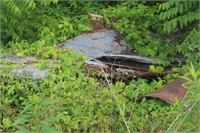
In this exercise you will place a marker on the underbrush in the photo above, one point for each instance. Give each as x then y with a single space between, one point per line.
69 100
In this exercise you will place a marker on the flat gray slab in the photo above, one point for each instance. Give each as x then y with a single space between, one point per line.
26 67
17 60
31 73
95 44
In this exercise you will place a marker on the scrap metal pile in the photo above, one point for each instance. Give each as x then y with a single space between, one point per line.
107 52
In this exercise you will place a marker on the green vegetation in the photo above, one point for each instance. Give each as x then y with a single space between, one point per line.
72 101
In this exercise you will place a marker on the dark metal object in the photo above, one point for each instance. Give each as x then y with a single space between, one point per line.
171 92
136 58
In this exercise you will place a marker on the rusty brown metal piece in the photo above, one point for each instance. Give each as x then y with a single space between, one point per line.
171 92
150 74
96 22
95 17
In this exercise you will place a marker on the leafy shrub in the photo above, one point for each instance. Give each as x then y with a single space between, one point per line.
32 21
182 17
69 101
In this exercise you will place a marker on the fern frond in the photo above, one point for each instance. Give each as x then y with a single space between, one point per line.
193 36
166 5
30 3
173 9
179 14
12 5
181 21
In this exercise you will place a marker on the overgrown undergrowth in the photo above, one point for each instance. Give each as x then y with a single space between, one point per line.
71 100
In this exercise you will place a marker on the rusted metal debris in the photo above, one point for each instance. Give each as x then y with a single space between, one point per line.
96 21
171 92
109 53
107 50
129 65
95 44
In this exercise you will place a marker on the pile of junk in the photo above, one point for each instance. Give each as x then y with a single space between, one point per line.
109 53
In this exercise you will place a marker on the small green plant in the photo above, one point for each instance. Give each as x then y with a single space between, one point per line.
153 68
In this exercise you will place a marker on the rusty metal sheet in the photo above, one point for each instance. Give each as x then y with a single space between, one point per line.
95 44
171 92
107 50
96 22
142 74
